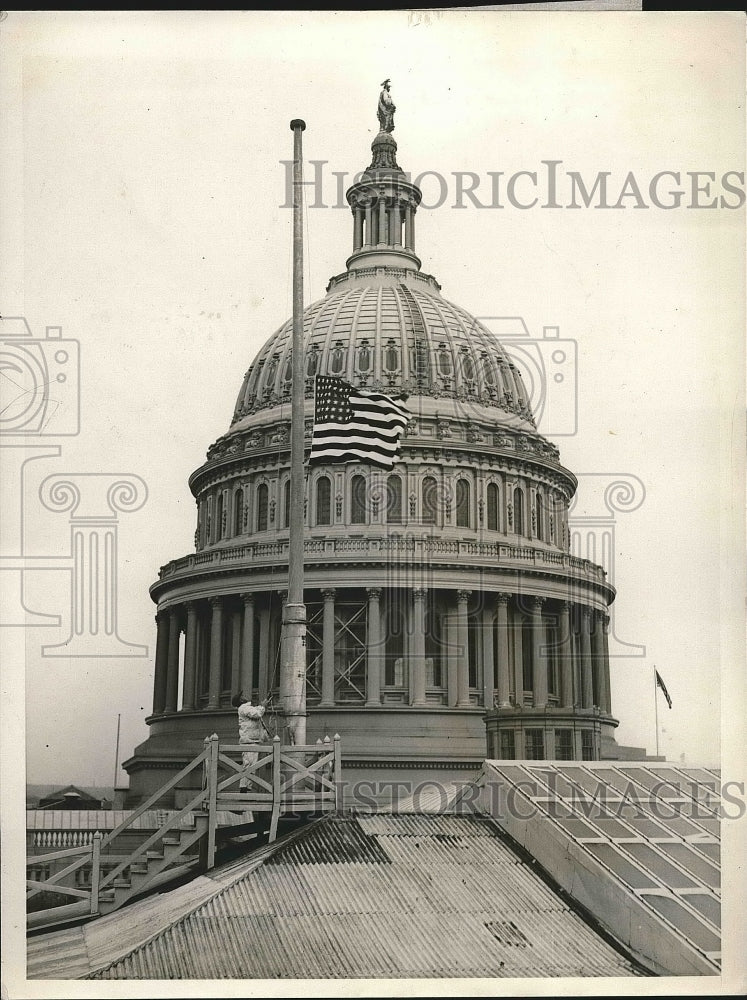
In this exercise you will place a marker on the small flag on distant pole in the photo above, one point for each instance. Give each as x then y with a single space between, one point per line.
355 425
660 683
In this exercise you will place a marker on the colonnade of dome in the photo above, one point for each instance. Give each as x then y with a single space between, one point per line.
441 594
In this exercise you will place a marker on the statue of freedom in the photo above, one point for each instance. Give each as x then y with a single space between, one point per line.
386 108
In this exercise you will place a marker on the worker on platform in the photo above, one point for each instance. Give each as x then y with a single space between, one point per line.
252 729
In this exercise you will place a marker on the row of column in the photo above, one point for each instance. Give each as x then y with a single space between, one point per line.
593 654
593 659
170 623
383 225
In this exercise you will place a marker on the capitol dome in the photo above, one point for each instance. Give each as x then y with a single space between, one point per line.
394 332
441 595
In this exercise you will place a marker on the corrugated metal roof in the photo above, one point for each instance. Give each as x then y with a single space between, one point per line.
380 896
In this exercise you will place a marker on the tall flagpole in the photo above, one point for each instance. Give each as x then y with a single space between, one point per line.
293 636
116 752
656 711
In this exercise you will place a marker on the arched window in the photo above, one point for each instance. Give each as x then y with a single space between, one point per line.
492 507
338 358
462 503
220 518
238 511
263 493
394 500
444 360
538 508
429 500
518 511
391 357
323 501
364 357
287 504
358 500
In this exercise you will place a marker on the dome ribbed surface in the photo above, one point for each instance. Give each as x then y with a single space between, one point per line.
393 337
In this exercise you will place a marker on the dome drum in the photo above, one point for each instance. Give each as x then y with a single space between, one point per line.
441 595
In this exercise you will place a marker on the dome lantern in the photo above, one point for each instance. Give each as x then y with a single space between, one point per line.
384 203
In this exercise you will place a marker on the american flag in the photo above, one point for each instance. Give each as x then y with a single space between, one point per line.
660 683
355 425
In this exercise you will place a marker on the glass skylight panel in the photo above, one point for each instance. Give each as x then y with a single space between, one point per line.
687 859
577 828
708 906
613 828
685 922
624 869
653 862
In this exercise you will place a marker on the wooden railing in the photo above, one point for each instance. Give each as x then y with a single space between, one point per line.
283 779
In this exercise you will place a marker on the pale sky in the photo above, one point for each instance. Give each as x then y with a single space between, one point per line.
143 187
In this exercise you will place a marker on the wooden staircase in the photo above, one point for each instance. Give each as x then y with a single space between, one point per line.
284 781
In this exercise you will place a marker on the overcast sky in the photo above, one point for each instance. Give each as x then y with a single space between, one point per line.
144 185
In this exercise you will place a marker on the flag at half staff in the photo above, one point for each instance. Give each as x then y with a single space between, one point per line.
660 683
355 425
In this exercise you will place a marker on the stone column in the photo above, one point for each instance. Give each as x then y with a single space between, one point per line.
190 658
357 228
408 227
374 652
382 234
369 222
504 682
452 661
397 216
587 689
598 661
247 646
417 672
265 667
162 654
172 661
607 704
539 661
463 597
412 228
328 649
236 653
216 652
488 660
565 656
518 660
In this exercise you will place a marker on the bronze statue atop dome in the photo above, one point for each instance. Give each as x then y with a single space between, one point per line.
386 108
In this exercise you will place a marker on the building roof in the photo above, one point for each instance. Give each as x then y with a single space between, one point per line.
38 793
637 844
378 896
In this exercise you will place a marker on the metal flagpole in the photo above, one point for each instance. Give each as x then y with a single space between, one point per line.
116 752
293 635
656 711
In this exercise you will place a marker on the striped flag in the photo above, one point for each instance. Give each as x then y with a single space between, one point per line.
355 425
660 683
